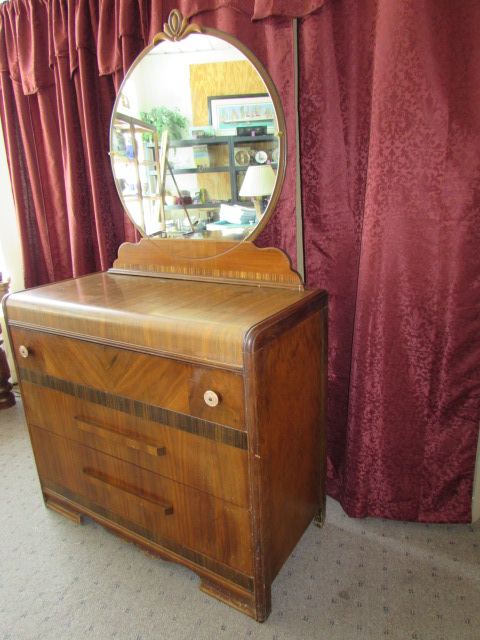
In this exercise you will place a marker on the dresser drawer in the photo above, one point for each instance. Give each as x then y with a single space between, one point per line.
199 461
172 384
212 527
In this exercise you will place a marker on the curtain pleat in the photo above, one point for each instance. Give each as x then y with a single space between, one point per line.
76 184
21 186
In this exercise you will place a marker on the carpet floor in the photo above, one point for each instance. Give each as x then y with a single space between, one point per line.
365 579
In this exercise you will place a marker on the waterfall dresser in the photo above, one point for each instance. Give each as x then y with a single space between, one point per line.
182 407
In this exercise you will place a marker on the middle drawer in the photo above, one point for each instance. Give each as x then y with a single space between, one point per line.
197 461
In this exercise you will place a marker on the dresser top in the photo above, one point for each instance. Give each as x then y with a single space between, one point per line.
204 322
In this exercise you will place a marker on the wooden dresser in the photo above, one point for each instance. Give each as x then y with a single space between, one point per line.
182 405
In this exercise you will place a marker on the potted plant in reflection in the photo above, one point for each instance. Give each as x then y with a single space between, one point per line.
163 118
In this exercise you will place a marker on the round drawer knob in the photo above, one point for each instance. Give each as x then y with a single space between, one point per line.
211 398
24 352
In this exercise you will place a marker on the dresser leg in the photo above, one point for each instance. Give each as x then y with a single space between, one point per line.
63 509
235 597
319 518
7 399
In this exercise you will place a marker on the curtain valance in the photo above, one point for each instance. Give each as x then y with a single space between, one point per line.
256 9
53 29
286 8
25 22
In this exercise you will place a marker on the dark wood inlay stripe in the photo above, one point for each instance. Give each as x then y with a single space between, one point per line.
56 491
204 428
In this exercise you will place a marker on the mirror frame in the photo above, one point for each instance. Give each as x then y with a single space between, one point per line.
177 28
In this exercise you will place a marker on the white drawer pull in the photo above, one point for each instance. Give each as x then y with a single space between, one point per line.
211 398
24 352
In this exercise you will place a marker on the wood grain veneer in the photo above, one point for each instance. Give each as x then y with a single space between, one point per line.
222 260
201 322
174 385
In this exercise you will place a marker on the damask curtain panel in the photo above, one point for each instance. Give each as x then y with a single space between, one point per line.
390 126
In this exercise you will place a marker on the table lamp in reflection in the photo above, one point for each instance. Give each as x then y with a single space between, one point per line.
258 184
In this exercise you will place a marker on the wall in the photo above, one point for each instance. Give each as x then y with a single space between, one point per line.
221 79
10 250
476 488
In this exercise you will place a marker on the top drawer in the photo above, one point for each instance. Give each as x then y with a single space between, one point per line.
174 385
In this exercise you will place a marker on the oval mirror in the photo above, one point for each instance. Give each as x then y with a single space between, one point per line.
197 137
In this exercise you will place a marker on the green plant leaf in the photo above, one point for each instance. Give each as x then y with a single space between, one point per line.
163 118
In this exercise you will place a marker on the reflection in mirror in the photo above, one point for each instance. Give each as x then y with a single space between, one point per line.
192 117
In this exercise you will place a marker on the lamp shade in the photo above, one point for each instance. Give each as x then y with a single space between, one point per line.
259 181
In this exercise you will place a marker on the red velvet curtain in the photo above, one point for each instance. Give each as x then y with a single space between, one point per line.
55 111
390 128
61 63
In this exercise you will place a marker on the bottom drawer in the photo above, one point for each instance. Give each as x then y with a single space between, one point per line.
197 520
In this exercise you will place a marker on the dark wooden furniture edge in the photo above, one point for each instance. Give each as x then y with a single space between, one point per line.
204 428
255 340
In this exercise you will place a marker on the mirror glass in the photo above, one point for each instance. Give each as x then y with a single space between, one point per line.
197 140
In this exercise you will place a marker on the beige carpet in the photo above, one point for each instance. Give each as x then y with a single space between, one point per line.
352 579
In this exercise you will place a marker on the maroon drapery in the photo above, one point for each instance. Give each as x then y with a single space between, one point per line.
55 113
61 63
389 123
390 112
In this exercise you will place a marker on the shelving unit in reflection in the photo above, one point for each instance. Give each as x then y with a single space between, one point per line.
204 175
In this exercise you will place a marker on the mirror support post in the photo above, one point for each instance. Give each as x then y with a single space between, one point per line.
298 207
162 176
